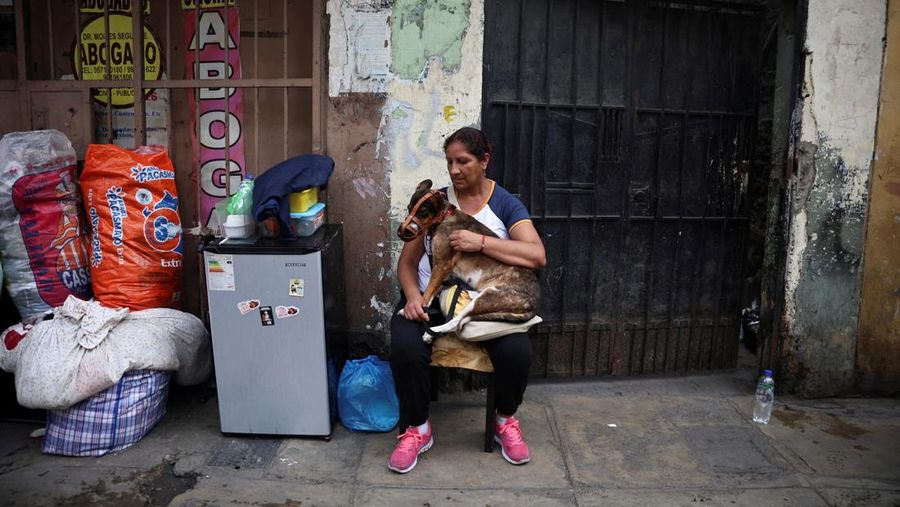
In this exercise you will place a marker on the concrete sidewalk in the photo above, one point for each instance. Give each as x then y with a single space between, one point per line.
656 441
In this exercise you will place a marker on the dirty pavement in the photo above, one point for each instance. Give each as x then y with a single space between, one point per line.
639 441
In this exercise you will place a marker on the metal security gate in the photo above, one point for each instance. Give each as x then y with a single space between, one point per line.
61 70
627 128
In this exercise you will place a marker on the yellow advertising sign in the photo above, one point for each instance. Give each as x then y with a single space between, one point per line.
96 6
93 51
205 4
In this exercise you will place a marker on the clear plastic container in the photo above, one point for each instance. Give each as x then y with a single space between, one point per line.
308 222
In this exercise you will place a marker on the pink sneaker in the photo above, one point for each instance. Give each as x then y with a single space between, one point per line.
406 454
512 445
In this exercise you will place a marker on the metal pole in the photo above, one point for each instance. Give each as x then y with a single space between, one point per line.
256 90
137 49
110 136
227 92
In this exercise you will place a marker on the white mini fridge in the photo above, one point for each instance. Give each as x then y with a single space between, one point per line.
278 322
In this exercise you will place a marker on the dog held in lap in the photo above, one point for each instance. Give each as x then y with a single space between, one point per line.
504 292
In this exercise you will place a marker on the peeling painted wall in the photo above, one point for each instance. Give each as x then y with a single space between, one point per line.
422 61
357 196
829 193
879 327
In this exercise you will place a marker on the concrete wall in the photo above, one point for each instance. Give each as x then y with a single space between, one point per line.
828 193
402 75
879 322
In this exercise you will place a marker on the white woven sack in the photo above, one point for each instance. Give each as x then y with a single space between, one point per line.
86 348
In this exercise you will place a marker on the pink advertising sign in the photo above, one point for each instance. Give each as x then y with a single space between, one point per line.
206 58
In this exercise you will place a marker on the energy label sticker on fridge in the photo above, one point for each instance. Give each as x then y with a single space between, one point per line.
219 271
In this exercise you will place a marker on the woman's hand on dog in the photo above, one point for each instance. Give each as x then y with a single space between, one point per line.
414 309
465 241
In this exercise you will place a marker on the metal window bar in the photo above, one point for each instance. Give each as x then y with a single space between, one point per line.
110 135
87 124
673 279
256 90
164 84
137 45
50 40
726 207
520 63
318 97
195 69
170 132
78 67
654 200
284 93
26 86
227 92
625 208
543 175
598 165
572 125
520 127
695 282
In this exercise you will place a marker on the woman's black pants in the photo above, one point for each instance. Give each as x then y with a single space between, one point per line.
511 356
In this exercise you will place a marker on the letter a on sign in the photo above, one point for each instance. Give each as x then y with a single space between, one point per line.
212 31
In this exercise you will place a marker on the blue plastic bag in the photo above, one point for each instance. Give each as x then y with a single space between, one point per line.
367 400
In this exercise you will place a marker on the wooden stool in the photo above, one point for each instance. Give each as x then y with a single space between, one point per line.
449 351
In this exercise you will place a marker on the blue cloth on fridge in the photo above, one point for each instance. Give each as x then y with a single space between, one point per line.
272 188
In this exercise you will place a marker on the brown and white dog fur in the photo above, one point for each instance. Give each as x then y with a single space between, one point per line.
505 292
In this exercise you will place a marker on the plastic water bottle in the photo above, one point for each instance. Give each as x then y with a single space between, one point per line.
765 397
241 203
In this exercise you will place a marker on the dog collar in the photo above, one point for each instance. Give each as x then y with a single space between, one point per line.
413 227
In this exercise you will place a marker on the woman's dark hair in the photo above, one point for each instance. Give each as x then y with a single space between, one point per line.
475 141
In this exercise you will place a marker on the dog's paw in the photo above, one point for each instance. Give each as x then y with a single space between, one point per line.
426 338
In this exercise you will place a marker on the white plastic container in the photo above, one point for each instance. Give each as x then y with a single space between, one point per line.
239 226
308 222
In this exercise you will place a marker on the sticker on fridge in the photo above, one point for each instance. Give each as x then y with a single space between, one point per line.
248 306
220 271
265 315
283 312
296 287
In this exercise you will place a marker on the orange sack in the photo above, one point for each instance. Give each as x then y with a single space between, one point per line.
132 206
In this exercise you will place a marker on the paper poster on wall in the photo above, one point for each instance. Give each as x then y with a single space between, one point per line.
156 114
90 64
205 58
91 57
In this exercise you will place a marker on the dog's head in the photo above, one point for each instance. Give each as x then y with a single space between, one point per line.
426 208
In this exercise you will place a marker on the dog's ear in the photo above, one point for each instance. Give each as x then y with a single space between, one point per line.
423 185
